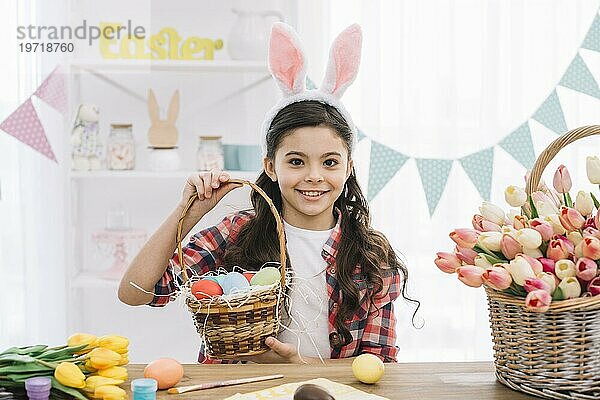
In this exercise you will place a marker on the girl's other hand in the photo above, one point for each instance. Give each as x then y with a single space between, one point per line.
280 353
210 186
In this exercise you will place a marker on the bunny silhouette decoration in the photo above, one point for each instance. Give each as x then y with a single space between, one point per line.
163 133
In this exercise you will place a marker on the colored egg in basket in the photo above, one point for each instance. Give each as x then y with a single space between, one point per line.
206 288
266 276
234 281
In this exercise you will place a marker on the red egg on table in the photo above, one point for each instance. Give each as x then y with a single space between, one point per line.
205 288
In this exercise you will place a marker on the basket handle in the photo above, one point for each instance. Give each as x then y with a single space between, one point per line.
553 148
280 230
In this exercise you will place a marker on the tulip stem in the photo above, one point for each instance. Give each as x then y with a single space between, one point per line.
568 201
534 213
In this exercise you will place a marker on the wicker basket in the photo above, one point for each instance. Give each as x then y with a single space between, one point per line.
556 354
239 326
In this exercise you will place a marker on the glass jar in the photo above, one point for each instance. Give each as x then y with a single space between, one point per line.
121 147
210 153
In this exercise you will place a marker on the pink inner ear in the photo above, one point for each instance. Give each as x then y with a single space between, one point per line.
347 58
285 58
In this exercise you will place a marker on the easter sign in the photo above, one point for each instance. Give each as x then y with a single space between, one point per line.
166 44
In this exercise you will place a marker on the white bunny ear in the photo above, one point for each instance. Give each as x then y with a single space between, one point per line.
344 59
286 59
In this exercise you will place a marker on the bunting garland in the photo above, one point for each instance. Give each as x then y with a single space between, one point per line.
386 162
24 123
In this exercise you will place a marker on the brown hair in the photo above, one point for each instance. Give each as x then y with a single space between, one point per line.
360 244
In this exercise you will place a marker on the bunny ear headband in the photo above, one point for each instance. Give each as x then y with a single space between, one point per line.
287 64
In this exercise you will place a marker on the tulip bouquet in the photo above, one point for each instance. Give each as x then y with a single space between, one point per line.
86 367
549 251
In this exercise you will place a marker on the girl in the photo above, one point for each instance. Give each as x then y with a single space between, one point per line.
346 275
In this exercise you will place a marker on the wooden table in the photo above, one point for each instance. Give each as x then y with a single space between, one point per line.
474 380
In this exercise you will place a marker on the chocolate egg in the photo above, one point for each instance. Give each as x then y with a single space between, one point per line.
266 276
205 288
234 281
308 391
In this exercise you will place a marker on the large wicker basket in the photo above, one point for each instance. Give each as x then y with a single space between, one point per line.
556 354
240 325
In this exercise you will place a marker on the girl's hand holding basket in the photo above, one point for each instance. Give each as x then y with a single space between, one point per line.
210 187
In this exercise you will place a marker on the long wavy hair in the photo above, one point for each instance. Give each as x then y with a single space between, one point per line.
257 240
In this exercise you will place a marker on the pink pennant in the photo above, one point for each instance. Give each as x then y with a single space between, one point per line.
53 91
25 125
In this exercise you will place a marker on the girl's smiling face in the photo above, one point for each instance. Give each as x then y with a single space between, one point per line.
311 166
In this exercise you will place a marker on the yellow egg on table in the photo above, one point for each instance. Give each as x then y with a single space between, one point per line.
368 368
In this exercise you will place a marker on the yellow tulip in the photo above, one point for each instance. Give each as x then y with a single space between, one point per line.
69 375
110 392
101 358
94 381
124 359
78 339
115 343
119 373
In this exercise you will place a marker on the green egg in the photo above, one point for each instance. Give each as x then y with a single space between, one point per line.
266 276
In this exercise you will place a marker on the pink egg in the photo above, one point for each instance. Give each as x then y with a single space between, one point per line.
205 288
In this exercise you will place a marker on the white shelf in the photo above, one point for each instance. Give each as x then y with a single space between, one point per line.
135 174
169 65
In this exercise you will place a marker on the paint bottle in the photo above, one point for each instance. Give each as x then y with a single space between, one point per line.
38 388
144 389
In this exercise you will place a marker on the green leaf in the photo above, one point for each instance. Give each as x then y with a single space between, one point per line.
65 353
534 213
16 358
24 377
493 260
558 294
518 290
24 367
596 203
28 350
68 390
569 201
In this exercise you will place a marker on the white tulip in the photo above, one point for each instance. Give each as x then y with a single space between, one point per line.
584 203
520 270
492 213
592 166
529 238
515 196
490 240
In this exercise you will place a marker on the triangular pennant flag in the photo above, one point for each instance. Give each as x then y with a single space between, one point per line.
53 91
24 124
578 77
361 135
592 39
385 162
479 167
310 84
550 114
519 145
434 175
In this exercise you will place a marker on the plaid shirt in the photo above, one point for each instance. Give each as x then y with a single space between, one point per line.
373 324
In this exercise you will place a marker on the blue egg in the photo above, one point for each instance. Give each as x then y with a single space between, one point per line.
215 278
234 280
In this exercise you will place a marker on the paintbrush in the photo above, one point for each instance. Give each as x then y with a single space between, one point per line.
209 385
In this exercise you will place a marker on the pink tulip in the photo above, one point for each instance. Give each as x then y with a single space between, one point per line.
589 223
465 255
536 265
571 219
519 222
497 278
532 284
447 262
471 275
543 227
586 269
483 225
510 246
538 301
547 264
591 231
464 237
594 286
590 247
557 249
597 220
562 180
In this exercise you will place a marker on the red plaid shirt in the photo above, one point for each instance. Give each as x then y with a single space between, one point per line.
373 324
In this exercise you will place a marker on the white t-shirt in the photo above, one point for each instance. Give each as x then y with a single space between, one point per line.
309 326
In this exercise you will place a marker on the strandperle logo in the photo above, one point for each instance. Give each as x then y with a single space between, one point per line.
84 31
